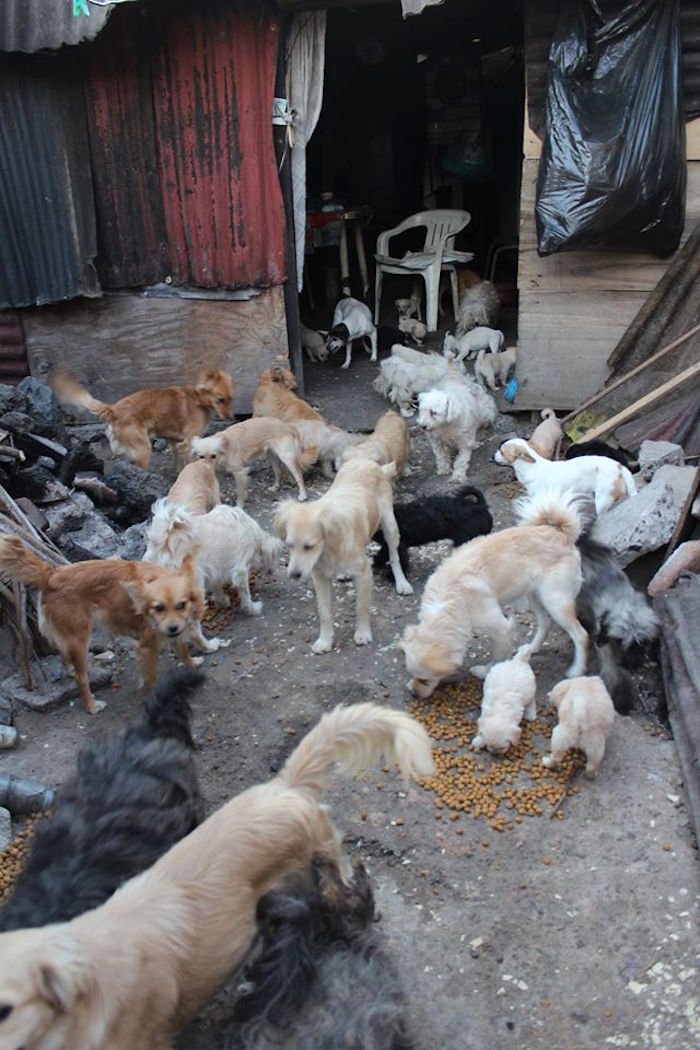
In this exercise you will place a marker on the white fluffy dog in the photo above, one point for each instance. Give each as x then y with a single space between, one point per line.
537 560
410 307
416 329
493 369
330 535
547 436
352 320
466 346
241 443
509 692
314 343
479 305
604 480
586 716
406 373
226 542
451 414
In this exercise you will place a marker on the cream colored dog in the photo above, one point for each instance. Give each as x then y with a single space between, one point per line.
196 487
330 536
238 445
128 975
547 437
329 441
509 692
493 369
537 560
389 442
586 716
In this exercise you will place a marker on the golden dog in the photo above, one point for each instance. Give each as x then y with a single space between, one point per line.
152 604
389 442
177 413
196 487
274 396
128 974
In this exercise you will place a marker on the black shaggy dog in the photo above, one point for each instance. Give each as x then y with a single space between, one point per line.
599 448
320 977
622 625
459 517
131 799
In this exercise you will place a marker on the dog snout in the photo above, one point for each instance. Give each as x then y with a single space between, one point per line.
173 629
294 574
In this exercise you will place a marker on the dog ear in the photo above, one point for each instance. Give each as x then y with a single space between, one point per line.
451 409
137 599
281 520
522 453
57 986
408 634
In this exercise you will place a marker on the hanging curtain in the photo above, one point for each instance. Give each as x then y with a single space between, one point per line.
305 62
416 7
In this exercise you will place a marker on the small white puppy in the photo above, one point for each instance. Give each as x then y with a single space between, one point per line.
410 307
416 329
329 536
406 373
227 543
493 369
241 443
352 320
547 436
586 716
509 692
451 415
604 480
314 343
464 347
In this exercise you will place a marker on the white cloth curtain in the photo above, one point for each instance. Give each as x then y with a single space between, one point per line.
416 7
305 63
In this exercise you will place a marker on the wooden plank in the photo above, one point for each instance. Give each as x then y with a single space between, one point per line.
644 402
692 139
124 342
573 271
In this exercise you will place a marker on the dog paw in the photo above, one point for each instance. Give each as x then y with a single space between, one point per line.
252 609
346 365
302 497
547 761
442 470
99 706
197 661
478 743
362 636
479 670
322 645
404 587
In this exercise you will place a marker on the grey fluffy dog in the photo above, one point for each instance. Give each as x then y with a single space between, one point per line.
479 305
321 978
132 798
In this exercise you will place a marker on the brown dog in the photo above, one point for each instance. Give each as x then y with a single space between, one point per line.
196 487
177 413
274 396
133 598
128 974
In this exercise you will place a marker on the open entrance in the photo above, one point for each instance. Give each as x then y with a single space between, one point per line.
417 114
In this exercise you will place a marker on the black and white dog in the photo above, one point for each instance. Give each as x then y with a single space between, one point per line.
458 517
132 798
320 974
352 320
622 625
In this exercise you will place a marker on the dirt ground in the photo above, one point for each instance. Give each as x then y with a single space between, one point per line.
578 931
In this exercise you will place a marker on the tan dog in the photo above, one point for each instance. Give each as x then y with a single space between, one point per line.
330 536
537 560
274 396
177 413
388 443
238 445
196 487
586 716
146 602
547 437
129 974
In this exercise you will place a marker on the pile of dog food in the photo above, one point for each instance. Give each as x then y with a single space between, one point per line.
12 859
500 789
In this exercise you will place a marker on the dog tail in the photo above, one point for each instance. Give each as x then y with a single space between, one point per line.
168 711
548 413
628 479
355 737
563 512
20 564
70 392
472 495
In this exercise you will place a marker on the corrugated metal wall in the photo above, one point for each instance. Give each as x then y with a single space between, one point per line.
186 182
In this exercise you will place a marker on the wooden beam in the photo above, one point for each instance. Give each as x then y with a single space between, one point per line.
633 372
644 402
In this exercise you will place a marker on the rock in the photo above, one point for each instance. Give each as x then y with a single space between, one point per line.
134 541
16 421
653 454
685 558
95 538
36 516
5 828
6 712
680 479
138 490
11 397
56 686
40 399
23 797
39 485
68 515
9 737
47 463
640 524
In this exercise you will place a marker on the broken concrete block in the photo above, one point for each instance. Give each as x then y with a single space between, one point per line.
680 480
5 828
685 559
640 524
40 399
6 713
138 490
94 539
134 541
54 686
36 516
68 515
653 454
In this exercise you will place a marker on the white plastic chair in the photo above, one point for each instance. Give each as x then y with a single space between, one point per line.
437 254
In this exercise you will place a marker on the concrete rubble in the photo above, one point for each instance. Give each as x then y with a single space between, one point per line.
640 524
653 454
